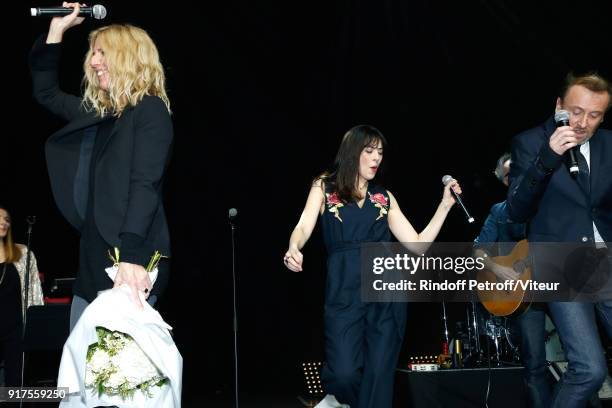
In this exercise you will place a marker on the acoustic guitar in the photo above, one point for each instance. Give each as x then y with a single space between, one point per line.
505 302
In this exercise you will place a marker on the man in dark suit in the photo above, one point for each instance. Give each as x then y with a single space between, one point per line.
563 208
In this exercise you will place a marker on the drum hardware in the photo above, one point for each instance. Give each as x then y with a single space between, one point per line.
488 338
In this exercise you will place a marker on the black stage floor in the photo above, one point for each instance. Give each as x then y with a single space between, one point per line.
457 388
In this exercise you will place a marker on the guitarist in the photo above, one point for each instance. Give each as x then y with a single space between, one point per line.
559 208
500 228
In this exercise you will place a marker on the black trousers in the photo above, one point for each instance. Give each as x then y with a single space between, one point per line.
11 346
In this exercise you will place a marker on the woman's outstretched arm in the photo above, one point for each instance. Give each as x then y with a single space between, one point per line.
302 231
405 233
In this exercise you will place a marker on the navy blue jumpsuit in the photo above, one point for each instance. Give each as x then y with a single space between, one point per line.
362 340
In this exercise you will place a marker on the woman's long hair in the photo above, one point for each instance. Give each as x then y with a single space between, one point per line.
11 250
134 70
342 178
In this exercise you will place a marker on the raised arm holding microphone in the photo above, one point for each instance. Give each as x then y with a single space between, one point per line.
362 340
107 164
559 207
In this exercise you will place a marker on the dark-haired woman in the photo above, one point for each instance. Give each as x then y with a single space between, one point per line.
12 290
362 340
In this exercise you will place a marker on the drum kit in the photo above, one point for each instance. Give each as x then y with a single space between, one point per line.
484 339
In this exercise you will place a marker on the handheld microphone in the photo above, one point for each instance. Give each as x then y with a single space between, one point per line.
97 11
447 179
562 119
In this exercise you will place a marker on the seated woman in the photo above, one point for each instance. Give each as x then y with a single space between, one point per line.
13 261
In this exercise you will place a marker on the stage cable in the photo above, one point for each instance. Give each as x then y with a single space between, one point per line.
489 374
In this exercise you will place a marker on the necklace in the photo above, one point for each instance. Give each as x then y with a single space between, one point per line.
362 189
3 273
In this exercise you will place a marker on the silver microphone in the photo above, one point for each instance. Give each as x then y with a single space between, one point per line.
97 11
447 179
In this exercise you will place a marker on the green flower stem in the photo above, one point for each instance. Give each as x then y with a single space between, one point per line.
153 262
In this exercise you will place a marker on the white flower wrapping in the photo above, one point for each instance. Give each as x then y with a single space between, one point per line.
128 369
112 273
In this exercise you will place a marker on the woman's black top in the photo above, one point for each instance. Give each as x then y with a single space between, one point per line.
10 299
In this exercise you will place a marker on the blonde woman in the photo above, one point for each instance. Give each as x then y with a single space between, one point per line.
12 292
107 164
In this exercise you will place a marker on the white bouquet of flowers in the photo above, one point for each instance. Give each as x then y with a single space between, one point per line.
120 355
116 365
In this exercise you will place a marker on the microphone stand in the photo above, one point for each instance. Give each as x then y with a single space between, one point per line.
232 217
26 282
478 354
445 324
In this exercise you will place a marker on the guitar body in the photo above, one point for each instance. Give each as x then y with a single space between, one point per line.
507 302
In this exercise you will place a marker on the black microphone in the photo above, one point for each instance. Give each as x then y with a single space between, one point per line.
232 213
97 11
31 219
562 119
447 179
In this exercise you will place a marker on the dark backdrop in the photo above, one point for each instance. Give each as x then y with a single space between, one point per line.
262 93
